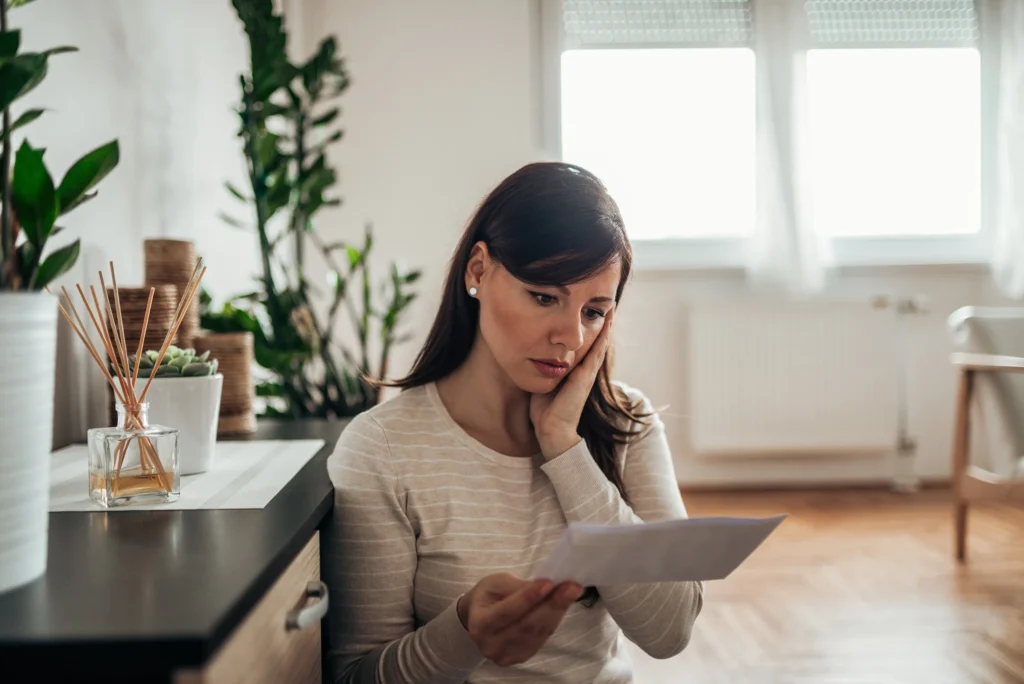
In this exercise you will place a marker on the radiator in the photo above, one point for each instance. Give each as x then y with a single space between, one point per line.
794 377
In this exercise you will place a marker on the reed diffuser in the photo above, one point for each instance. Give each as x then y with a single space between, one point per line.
135 462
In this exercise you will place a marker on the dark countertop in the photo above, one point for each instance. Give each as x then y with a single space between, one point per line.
147 592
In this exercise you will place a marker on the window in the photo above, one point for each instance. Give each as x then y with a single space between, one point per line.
657 99
894 116
895 141
675 169
660 98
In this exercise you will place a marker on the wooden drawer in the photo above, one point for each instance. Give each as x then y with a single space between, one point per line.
265 649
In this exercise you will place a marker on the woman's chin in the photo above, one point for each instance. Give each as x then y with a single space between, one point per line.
535 383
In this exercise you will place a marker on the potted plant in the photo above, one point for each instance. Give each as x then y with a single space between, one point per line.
311 366
31 203
185 394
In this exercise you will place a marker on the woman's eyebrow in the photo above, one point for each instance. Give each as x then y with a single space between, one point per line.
595 300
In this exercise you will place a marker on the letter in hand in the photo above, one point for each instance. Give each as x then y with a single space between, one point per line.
510 618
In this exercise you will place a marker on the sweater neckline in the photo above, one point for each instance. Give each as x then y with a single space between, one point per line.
521 462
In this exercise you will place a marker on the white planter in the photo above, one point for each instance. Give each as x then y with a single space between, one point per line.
192 405
28 350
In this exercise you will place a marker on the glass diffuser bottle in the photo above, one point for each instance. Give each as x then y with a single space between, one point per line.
135 462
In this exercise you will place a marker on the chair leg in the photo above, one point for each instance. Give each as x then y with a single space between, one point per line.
961 531
961 446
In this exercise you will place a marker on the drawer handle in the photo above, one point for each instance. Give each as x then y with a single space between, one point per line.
302 616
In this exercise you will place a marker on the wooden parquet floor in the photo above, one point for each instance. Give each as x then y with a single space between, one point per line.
859 587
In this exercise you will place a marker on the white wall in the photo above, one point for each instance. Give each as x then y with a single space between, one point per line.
444 103
162 78
439 109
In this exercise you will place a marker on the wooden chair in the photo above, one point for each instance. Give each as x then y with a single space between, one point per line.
989 344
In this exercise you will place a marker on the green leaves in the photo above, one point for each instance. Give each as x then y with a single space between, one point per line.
59 50
235 191
35 201
26 118
355 256
176 363
400 300
9 42
324 71
327 118
271 389
334 137
19 75
266 149
33 195
56 265
232 221
85 174
232 319
268 46
17 3
37 204
287 122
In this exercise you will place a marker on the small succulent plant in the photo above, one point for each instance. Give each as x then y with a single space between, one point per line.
177 363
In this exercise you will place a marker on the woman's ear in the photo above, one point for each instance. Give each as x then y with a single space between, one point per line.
477 267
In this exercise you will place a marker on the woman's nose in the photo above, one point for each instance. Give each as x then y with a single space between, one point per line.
568 331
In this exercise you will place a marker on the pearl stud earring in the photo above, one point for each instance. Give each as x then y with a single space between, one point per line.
472 292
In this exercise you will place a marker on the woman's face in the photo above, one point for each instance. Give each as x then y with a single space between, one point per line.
538 334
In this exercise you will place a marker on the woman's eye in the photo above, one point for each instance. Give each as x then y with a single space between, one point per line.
543 299
595 314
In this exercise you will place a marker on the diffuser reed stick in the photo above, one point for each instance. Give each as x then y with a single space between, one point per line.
113 341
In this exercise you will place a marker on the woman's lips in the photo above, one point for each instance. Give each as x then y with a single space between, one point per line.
550 368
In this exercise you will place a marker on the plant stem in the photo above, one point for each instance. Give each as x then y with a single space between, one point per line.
7 254
364 328
259 192
382 371
331 374
298 216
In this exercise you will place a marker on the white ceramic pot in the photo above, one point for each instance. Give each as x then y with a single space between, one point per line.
192 406
28 351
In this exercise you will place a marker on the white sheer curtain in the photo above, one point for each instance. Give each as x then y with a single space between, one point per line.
785 251
1008 255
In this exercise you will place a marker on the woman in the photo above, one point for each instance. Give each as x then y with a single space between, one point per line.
508 428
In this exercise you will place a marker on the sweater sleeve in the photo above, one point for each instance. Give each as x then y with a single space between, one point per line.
370 564
658 617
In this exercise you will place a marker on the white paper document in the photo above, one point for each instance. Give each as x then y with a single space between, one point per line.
692 549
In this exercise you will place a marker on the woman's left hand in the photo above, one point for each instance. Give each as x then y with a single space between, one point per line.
556 415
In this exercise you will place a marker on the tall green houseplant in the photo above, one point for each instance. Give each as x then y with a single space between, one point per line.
31 201
287 121
31 204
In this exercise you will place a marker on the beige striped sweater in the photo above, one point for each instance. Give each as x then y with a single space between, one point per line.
423 511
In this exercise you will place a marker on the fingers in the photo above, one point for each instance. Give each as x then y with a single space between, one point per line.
598 351
503 584
542 621
582 378
511 618
521 640
516 605
605 336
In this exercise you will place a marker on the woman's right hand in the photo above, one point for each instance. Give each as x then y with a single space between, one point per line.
509 618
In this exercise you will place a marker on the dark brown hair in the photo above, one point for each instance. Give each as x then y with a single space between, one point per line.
547 224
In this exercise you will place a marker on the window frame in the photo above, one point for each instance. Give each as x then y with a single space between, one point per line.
713 253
